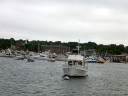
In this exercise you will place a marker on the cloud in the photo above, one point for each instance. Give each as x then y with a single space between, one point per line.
100 21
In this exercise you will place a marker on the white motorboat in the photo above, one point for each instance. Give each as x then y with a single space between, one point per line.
20 57
38 57
75 66
2 54
51 60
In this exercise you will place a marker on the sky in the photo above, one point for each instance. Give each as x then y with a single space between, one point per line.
99 21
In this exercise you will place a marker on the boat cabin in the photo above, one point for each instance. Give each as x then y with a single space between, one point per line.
76 60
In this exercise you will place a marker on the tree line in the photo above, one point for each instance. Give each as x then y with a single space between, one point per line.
35 45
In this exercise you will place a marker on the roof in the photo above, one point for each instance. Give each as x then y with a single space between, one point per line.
75 57
58 46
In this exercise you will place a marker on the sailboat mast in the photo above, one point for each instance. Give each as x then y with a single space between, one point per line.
78 47
38 47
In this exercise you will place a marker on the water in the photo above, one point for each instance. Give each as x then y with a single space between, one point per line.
43 78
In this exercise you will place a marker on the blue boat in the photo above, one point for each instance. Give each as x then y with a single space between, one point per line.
91 60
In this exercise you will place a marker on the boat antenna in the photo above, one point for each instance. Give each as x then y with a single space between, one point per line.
84 50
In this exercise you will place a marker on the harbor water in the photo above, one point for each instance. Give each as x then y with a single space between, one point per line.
43 78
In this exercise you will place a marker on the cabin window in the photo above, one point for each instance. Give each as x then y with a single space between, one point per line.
70 63
74 62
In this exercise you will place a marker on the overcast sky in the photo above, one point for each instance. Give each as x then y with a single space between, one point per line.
100 21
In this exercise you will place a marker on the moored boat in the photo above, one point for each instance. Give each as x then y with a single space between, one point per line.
20 57
30 60
75 66
100 60
51 60
91 60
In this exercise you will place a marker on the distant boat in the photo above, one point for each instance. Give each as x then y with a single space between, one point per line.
30 60
75 66
91 60
38 57
100 60
2 54
20 57
51 60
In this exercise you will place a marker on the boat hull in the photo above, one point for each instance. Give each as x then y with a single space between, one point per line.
19 58
100 62
74 71
92 61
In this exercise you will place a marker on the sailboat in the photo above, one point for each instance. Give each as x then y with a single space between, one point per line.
75 65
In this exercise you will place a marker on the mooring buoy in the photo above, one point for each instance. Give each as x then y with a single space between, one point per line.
66 78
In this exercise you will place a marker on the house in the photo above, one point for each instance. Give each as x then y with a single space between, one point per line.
58 49
88 53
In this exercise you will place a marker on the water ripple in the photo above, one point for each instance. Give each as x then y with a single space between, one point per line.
42 78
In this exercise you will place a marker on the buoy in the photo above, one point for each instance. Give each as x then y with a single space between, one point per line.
66 78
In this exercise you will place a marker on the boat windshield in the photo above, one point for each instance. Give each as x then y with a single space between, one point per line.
80 63
74 63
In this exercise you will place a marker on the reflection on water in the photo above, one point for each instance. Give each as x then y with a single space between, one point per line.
43 78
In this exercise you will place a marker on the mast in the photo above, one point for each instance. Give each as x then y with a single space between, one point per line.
78 47
84 50
69 46
38 47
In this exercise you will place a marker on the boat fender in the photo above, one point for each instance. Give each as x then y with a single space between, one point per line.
66 78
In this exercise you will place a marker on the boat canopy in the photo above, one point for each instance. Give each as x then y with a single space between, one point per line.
75 57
